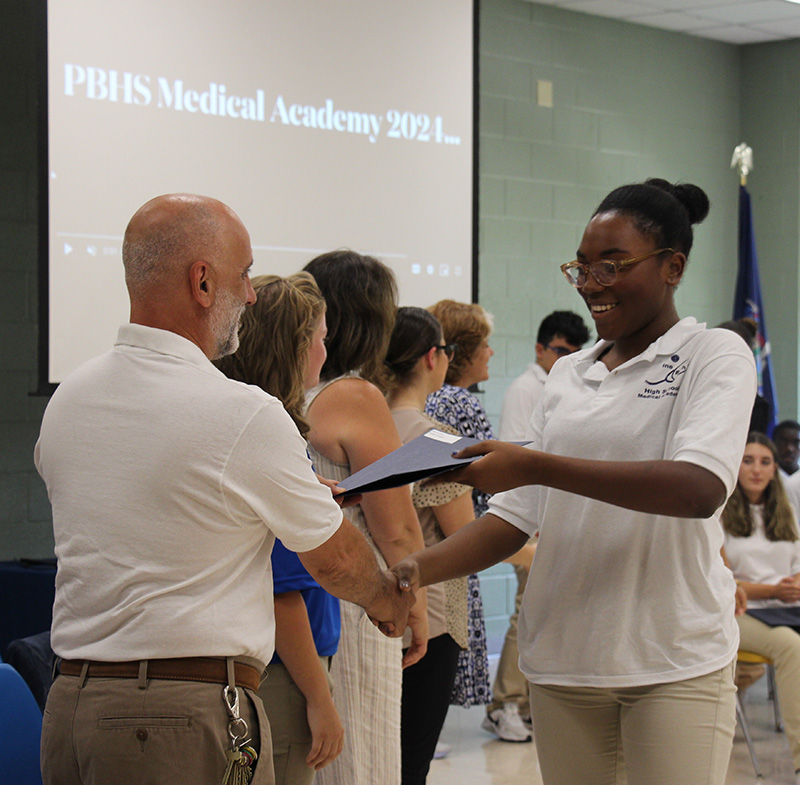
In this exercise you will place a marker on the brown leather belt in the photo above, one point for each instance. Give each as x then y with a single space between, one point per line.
207 669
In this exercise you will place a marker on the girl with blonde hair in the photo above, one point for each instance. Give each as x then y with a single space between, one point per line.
282 349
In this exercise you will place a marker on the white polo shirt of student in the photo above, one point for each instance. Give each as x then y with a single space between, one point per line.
169 483
520 401
756 559
615 597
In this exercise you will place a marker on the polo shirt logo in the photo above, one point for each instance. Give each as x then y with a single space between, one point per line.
671 376
667 386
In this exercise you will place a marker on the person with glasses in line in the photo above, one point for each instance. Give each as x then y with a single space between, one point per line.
468 326
627 630
560 333
416 361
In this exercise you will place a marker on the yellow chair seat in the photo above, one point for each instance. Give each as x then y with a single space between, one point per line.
752 658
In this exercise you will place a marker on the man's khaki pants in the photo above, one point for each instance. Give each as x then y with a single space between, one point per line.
116 732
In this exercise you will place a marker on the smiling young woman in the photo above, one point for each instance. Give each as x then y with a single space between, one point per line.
627 631
629 263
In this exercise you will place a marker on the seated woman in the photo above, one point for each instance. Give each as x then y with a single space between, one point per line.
762 547
417 361
281 350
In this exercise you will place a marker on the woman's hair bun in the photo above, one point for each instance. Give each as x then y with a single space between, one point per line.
692 197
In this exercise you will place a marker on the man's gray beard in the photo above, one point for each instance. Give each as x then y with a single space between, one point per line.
225 318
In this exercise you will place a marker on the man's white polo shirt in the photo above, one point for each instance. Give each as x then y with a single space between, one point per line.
168 483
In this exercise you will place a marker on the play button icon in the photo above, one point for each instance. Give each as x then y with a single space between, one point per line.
67 249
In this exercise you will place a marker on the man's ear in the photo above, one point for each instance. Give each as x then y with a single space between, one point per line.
202 283
539 351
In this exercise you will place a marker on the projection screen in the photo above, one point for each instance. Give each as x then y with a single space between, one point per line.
323 125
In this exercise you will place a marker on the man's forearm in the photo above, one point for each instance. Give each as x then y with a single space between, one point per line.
346 567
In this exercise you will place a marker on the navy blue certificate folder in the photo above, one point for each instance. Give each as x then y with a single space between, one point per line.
422 457
782 616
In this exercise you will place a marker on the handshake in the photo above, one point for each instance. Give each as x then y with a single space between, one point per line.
400 604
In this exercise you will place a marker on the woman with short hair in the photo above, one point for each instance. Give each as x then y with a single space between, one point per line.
467 327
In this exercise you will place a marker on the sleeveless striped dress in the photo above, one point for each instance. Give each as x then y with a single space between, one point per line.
366 672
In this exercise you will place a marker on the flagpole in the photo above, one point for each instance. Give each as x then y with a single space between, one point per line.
747 299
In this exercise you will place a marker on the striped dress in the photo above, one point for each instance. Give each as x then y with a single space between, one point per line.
366 672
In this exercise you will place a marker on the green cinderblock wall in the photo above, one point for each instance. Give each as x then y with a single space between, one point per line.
628 102
770 99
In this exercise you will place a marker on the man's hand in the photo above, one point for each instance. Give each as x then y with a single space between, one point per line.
390 612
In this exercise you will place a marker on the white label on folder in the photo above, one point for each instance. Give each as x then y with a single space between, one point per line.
441 436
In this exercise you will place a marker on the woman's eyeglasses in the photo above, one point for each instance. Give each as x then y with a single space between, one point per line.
604 271
449 349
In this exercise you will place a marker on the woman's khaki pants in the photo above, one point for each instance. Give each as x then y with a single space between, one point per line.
679 733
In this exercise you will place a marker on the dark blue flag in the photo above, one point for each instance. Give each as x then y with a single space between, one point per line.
748 304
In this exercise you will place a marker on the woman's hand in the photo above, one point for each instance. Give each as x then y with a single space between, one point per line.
787 590
502 467
407 572
741 601
342 501
418 624
327 733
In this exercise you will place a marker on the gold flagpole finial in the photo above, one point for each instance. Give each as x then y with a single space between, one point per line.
743 161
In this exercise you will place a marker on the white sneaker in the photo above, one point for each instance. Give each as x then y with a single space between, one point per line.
506 724
442 750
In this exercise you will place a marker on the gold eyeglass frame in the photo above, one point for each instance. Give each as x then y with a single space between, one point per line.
587 268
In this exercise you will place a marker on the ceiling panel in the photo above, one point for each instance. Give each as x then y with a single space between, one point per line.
747 13
734 21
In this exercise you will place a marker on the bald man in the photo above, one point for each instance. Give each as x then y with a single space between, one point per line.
169 483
